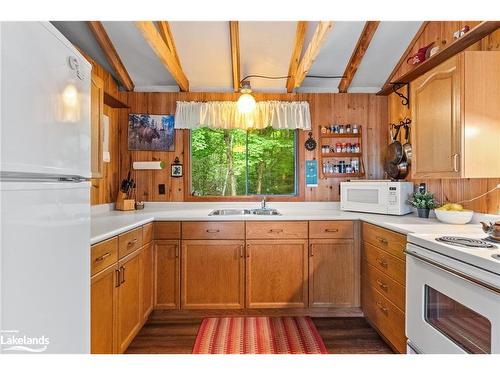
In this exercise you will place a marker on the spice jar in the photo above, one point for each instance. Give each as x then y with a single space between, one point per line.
355 129
338 147
323 130
348 128
357 148
341 129
355 165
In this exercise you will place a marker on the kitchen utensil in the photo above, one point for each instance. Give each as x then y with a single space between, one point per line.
454 217
395 150
407 145
492 229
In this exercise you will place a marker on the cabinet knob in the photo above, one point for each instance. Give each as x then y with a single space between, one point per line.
131 243
382 307
382 285
382 262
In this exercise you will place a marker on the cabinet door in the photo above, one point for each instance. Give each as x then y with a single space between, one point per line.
129 309
96 127
166 274
147 280
103 298
276 273
332 273
213 274
436 128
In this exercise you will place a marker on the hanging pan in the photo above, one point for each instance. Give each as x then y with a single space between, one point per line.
395 149
407 145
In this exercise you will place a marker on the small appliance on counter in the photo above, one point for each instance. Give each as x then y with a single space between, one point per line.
376 196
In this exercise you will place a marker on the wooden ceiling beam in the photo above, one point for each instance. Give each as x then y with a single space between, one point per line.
166 34
300 35
234 34
357 55
111 55
319 38
167 58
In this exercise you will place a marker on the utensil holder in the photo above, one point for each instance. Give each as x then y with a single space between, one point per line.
124 204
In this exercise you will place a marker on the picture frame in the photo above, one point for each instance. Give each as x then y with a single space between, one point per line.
148 132
176 168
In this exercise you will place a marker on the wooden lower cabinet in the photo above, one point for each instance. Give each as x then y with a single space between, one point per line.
167 274
213 274
333 273
129 308
277 272
146 262
103 298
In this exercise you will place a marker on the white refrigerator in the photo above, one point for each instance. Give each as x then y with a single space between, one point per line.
45 191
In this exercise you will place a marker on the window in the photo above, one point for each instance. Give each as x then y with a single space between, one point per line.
235 162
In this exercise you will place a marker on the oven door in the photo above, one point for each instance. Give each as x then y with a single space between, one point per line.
364 197
448 313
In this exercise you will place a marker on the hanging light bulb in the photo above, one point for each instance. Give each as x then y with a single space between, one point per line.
246 102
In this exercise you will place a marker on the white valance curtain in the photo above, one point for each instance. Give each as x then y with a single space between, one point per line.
225 115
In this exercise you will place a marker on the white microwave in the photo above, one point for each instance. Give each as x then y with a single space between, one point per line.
376 196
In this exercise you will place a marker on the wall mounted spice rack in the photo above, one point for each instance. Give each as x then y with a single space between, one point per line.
326 158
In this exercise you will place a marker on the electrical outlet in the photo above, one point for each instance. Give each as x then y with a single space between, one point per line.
161 189
422 188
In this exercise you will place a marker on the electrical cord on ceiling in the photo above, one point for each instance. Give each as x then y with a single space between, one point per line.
318 76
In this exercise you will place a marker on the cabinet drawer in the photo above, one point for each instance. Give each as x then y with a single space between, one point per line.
384 262
103 255
385 316
386 286
129 242
276 229
213 230
393 243
147 233
167 230
330 229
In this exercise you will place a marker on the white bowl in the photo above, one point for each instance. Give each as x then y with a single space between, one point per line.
454 217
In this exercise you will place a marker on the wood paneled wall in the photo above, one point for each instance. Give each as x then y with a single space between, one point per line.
368 110
450 190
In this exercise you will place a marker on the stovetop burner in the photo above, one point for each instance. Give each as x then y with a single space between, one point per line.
466 242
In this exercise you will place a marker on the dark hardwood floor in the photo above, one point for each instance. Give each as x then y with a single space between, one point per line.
175 334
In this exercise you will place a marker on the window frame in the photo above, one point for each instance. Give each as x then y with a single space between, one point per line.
299 176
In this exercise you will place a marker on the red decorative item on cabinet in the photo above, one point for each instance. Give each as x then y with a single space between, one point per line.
421 55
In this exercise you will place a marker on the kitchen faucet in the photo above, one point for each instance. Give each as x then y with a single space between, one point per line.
263 203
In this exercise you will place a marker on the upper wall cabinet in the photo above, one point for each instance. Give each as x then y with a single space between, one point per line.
96 125
456 118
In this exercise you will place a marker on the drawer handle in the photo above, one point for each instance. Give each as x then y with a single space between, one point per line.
335 230
241 251
213 230
122 273
382 307
275 230
248 250
102 257
311 253
382 262
382 240
176 251
382 285
132 243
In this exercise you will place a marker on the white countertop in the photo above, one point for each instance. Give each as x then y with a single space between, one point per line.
106 223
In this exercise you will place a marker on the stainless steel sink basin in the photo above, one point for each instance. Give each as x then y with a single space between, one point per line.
239 212
229 212
265 211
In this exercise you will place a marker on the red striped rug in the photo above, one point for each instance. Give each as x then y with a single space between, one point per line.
258 335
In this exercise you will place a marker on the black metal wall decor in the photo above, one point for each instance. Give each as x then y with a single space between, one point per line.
176 168
405 100
310 144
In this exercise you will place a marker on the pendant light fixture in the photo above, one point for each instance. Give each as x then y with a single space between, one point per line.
246 102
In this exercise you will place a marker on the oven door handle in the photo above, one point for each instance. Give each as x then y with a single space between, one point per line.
458 274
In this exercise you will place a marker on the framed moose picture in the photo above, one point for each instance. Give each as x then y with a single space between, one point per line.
151 132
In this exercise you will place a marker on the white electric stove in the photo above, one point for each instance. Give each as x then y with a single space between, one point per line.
453 293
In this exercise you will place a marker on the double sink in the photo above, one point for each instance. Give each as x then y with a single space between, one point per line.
243 211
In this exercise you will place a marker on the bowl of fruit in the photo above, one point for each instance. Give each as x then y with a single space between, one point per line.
453 213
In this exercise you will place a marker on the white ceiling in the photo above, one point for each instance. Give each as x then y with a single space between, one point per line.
265 49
